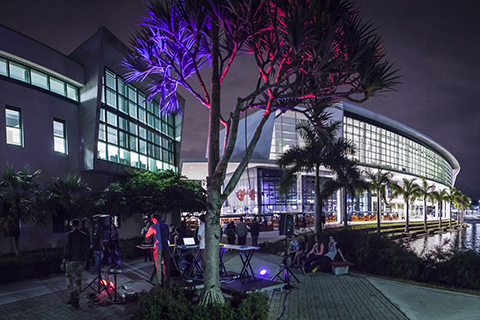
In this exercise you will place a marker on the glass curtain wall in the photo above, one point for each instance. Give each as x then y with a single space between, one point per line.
379 146
131 130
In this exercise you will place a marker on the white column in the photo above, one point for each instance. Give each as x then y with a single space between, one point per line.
340 205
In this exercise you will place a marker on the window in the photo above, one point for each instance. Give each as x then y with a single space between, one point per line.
57 86
14 126
59 139
18 72
36 78
39 79
129 128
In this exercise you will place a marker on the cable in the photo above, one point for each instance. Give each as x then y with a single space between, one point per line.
284 306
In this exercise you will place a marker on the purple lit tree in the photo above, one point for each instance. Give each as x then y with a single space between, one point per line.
309 54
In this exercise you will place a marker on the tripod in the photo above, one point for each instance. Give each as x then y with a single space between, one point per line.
99 275
285 270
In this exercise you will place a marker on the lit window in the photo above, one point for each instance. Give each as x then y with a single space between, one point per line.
3 67
72 92
102 150
14 126
57 86
18 72
39 79
59 137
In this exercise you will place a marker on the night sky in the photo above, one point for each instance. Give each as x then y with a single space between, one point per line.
434 43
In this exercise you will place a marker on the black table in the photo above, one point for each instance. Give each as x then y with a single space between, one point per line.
246 254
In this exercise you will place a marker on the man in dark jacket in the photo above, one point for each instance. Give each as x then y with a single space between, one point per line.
74 259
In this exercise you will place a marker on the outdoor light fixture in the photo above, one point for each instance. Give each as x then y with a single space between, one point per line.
263 273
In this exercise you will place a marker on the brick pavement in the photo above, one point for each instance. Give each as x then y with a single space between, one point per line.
52 307
326 296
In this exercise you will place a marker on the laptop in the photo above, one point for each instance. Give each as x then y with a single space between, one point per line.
189 241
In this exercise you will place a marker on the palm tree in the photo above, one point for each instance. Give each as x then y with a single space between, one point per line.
450 197
69 197
320 149
348 178
19 195
410 191
378 182
439 197
461 202
425 193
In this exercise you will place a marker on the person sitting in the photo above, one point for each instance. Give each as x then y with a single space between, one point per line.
320 260
333 249
315 256
293 248
301 255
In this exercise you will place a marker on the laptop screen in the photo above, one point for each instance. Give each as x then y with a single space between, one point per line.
188 241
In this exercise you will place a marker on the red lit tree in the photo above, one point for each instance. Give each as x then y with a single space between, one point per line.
309 54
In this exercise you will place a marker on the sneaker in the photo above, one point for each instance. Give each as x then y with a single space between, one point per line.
315 270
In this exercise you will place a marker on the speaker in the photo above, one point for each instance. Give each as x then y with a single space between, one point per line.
101 228
286 226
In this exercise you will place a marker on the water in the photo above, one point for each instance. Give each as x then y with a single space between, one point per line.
466 239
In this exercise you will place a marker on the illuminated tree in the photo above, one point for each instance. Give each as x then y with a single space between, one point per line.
308 54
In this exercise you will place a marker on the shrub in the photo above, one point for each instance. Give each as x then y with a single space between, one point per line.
29 265
176 303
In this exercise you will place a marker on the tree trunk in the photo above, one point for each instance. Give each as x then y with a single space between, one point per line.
440 207
211 279
425 215
406 216
450 215
318 203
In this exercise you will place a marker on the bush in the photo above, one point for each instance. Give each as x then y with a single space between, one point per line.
29 265
176 303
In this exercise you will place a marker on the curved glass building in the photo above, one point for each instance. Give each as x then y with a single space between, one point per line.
379 141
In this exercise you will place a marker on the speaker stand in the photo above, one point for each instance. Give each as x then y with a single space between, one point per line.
287 272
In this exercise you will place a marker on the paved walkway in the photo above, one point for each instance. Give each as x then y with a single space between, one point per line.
316 296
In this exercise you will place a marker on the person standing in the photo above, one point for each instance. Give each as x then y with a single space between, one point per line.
241 232
158 245
230 232
165 235
74 259
255 232
86 224
149 241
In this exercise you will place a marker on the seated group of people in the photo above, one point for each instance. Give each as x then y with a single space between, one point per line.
314 258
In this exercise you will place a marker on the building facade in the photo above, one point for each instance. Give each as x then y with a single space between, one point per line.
76 115
379 141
